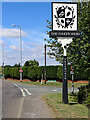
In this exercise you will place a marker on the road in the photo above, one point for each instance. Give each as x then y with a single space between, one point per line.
25 101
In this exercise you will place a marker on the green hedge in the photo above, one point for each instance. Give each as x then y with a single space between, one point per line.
35 73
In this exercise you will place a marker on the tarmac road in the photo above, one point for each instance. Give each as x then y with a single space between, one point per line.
18 103
25 101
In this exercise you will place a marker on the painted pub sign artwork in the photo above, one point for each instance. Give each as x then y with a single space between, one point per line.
64 20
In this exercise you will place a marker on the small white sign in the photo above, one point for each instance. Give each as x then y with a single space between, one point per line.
64 16
72 72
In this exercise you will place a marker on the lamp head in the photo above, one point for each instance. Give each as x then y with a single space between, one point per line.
13 25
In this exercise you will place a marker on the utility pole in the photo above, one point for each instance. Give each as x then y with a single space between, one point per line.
45 64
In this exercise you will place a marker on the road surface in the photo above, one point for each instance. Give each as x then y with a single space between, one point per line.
25 101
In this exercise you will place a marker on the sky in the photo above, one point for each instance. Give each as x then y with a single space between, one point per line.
31 16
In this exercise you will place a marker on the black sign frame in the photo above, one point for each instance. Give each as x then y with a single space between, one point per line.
54 34
64 3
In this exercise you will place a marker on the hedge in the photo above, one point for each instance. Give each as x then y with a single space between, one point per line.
52 73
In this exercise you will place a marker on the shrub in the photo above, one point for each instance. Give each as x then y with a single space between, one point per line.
25 72
32 73
60 72
6 73
84 95
81 94
51 72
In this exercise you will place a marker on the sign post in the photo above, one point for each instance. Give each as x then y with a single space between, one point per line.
21 71
64 27
72 73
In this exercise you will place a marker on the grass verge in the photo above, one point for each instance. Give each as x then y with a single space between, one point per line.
71 110
56 84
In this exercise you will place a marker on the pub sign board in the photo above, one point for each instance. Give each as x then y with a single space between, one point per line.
64 19
64 16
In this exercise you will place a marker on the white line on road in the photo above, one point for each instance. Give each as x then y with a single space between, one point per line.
23 93
27 91
55 90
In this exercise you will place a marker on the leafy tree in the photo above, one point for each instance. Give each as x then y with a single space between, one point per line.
17 65
79 50
26 63
31 63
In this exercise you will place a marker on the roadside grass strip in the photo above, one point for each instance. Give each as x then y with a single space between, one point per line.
71 110
56 84
27 91
23 93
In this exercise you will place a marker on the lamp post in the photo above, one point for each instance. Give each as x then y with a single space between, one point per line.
45 64
20 52
2 61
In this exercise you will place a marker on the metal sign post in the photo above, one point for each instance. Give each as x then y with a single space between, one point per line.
64 27
65 86
72 73
42 77
64 41
73 83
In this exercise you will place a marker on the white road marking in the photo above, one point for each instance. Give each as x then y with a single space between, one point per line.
55 90
23 93
21 107
27 91
32 115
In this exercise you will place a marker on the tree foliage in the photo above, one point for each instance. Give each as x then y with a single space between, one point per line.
17 65
31 63
79 50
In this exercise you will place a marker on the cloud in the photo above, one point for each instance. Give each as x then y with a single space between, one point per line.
32 48
2 43
14 47
12 33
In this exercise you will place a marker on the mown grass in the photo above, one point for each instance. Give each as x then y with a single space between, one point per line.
71 110
56 84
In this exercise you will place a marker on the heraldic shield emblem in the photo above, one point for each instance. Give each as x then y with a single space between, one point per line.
64 17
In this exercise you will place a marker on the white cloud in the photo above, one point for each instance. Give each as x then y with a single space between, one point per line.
2 43
32 48
12 33
14 47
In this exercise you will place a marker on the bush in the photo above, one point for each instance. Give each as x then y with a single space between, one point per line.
6 73
34 73
25 72
60 72
84 95
51 72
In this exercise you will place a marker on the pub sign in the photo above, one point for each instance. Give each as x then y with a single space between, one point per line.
64 16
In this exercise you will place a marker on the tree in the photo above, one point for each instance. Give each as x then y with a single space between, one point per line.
17 65
79 49
31 63
26 63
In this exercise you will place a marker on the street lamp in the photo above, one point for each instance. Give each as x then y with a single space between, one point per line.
45 64
20 52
